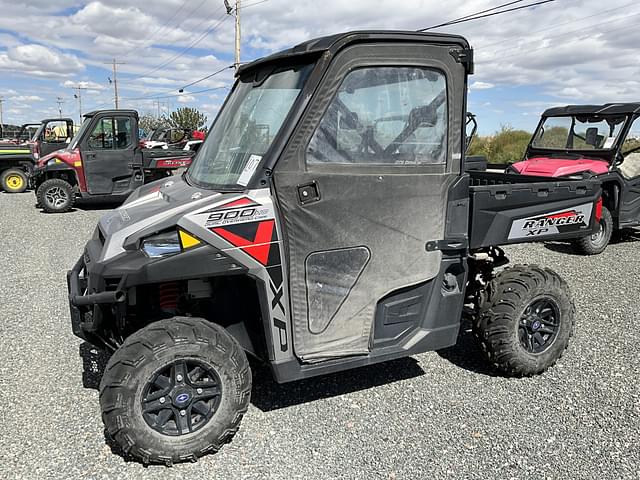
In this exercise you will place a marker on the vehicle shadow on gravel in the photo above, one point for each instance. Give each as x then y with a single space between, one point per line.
466 353
622 236
267 395
87 206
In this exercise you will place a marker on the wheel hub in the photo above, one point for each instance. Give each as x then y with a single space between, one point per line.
539 325
56 196
181 397
14 181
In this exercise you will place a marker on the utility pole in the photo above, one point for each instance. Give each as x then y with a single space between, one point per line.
114 65
78 96
60 101
237 34
230 12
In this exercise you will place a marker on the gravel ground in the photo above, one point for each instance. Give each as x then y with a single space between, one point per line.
440 415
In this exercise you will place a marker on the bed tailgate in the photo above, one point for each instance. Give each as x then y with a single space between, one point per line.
507 208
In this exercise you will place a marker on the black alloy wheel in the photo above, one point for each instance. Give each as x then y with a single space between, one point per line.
181 397
539 325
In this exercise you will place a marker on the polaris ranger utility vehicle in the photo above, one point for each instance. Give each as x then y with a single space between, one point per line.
104 161
326 224
18 160
599 141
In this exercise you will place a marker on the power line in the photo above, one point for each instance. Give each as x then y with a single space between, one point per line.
556 25
208 76
477 16
163 26
154 97
182 52
578 30
449 22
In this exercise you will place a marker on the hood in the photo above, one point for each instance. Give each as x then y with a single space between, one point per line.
67 156
156 206
558 167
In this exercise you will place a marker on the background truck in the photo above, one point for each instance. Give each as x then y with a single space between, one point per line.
18 159
327 223
592 141
103 161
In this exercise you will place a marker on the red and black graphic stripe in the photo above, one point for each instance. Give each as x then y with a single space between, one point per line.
256 239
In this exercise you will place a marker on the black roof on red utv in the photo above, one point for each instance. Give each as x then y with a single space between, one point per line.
337 41
606 109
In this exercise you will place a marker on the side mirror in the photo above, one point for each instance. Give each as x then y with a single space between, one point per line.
591 137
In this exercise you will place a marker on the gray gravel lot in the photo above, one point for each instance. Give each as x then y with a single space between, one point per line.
437 415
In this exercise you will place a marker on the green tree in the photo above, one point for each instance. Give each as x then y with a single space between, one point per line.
188 118
148 122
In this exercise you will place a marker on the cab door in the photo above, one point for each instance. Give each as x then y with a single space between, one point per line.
363 188
107 154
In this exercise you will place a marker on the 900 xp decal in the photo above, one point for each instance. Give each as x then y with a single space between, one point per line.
554 223
251 227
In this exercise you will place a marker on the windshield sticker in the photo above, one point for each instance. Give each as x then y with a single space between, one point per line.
249 170
609 142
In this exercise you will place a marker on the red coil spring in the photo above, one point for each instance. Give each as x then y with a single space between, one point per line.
169 293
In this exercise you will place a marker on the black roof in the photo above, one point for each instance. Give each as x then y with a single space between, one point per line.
337 41
112 111
606 109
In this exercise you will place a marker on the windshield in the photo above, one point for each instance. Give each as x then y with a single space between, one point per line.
246 127
80 133
579 132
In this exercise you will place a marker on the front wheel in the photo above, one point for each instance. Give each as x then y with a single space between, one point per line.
525 321
55 195
14 180
175 390
596 243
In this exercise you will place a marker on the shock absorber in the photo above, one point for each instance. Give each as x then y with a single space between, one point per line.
168 294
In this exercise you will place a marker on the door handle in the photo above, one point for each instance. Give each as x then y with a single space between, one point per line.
308 193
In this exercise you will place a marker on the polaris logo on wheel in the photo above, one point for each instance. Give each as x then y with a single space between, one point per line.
554 223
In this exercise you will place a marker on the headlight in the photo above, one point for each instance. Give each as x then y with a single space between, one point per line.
168 243
53 161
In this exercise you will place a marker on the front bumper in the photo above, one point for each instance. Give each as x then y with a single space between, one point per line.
85 307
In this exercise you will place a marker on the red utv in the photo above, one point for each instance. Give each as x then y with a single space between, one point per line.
583 141
104 161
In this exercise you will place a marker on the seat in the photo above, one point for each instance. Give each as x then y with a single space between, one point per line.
630 167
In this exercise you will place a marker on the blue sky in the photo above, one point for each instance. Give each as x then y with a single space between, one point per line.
568 51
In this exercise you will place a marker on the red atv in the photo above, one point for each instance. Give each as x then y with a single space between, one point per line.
583 141
103 161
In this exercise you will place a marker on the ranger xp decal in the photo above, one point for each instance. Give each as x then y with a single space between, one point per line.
554 223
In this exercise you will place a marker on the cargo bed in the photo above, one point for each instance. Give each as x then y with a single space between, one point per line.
507 209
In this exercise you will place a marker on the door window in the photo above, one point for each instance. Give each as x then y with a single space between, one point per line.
385 115
112 133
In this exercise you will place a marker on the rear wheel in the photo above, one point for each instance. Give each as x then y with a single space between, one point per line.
14 180
525 321
55 195
175 390
596 243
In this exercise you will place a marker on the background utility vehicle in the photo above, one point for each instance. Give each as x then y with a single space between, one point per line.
18 160
601 141
103 161
23 136
326 224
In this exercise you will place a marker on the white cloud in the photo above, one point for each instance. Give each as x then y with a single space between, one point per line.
39 61
27 98
186 98
84 84
481 86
